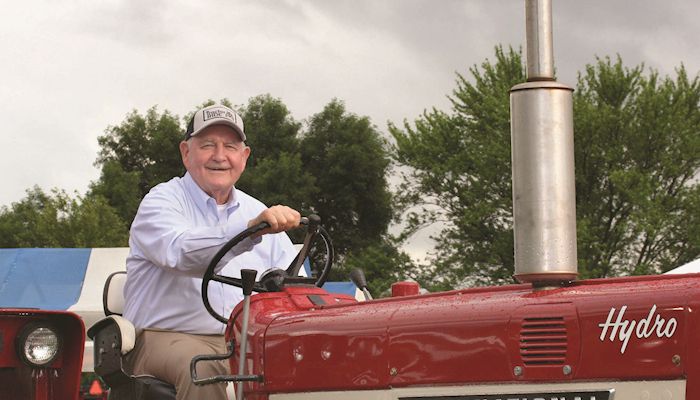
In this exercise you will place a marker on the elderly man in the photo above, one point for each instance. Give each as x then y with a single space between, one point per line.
179 226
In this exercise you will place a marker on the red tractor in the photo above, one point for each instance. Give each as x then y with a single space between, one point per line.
41 354
622 339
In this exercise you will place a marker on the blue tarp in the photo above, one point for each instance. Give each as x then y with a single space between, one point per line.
52 279
49 279
333 287
340 287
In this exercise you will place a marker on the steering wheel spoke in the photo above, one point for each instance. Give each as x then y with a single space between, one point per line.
226 280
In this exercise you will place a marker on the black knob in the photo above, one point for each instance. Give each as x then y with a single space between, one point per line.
248 280
314 220
357 276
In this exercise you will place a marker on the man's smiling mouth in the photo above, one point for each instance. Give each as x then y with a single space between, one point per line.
218 168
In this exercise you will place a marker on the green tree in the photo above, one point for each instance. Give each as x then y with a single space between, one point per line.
135 156
637 151
57 220
459 175
120 187
349 160
637 154
281 180
275 173
270 128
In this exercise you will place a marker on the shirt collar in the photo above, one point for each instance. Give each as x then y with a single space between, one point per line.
204 202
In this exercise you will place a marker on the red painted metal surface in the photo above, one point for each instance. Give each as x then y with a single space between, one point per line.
636 328
61 378
399 289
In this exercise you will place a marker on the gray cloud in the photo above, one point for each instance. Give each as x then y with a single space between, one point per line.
129 23
71 69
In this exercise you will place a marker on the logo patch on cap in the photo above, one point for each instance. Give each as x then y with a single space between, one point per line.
218 113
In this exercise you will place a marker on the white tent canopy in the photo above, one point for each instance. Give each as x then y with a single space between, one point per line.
689 268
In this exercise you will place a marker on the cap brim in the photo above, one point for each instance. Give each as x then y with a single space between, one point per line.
219 122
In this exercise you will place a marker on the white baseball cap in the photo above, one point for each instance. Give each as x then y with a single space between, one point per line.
216 114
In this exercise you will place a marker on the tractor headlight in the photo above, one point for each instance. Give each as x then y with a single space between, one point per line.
38 344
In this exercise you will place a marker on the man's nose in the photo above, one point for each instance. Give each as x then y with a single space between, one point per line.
219 152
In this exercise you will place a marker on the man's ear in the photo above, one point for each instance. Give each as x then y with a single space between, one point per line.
184 151
250 158
246 155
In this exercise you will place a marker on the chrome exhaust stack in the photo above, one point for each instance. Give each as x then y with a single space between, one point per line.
542 145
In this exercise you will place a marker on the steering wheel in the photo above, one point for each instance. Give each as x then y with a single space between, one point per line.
273 279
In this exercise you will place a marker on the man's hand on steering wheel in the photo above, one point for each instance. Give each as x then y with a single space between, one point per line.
280 218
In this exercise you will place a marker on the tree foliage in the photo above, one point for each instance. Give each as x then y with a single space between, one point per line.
637 153
349 160
57 220
135 156
270 128
459 175
275 173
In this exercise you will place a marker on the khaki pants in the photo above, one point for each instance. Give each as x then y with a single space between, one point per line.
167 356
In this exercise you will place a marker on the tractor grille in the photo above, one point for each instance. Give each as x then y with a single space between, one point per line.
543 341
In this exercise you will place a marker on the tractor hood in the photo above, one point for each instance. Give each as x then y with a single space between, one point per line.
307 340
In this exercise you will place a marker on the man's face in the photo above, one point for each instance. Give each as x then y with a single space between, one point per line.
215 158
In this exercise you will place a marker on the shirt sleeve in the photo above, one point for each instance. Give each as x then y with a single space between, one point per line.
165 236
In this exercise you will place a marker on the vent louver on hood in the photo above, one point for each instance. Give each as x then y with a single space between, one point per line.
543 341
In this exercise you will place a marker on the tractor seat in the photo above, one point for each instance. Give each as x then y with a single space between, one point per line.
114 337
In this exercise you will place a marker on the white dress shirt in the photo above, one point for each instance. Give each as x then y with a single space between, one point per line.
177 230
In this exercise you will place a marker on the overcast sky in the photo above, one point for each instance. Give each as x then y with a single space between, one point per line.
70 69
